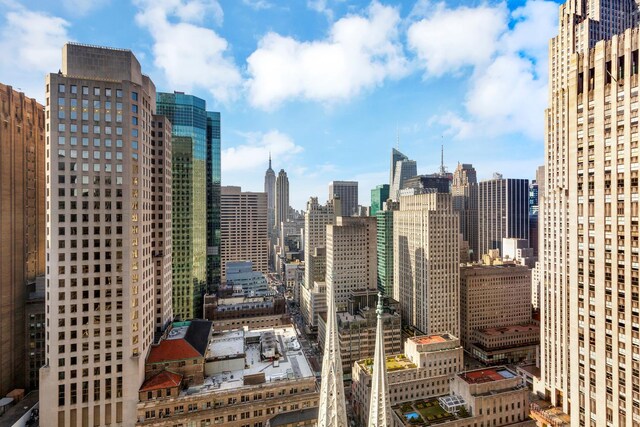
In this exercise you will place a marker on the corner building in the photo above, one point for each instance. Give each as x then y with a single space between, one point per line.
590 352
101 294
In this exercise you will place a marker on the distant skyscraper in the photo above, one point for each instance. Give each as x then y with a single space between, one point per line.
282 198
379 195
401 169
243 228
101 292
426 263
533 216
22 209
188 117
213 200
590 364
351 258
503 211
270 190
439 183
347 191
384 230
464 190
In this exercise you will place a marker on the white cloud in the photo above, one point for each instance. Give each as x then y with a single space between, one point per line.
33 44
507 89
82 7
254 151
190 55
320 6
359 53
449 39
258 4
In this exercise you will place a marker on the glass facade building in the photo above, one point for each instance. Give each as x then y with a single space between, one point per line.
213 200
384 219
379 195
188 116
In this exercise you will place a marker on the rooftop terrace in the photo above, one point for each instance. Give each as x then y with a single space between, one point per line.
396 362
428 412
486 375
432 339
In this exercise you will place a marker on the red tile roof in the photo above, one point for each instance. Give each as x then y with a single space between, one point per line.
170 350
164 379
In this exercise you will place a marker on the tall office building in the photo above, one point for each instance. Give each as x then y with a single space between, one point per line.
503 211
464 190
282 198
351 258
347 192
270 190
590 360
214 178
379 196
100 283
435 181
22 225
400 170
426 263
243 228
188 117
384 230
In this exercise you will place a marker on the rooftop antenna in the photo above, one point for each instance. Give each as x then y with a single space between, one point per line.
269 159
442 170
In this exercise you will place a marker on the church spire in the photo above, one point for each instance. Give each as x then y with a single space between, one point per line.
379 406
332 411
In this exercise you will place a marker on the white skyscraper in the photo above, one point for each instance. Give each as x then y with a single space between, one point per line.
103 299
401 169
590 348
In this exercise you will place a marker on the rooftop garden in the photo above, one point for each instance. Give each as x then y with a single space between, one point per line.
426 412
394 363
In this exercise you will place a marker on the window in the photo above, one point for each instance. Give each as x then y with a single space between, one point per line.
96 91
61 88
118 93
85 90
134 96
74 89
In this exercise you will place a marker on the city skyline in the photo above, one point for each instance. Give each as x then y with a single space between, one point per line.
397 64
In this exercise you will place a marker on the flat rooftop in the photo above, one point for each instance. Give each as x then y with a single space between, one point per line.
396 362
290 365
530 327
488 375
432 339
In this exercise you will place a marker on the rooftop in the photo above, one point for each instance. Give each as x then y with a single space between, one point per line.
432 339
287 363
429 412
185 340
510 329
162 380
480 376
396 362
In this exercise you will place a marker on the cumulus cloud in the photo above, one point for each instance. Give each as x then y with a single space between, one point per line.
191 55
33 42
449 39
360 52
507 88
254 151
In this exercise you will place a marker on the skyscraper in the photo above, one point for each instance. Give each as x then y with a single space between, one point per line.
22 209
590 365
213 200
282 198
347 192
188 117
351 258
270 190
426 263
100 282
401 169
243 228
464 190
379 195
384 239
503 211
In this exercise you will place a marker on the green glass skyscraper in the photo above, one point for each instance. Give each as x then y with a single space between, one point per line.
379 195
384 219
194 166
213 200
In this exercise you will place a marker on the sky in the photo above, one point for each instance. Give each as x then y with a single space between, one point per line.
328 87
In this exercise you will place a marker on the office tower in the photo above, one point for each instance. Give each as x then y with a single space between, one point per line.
162 221
35 332
439 183
347 192
188 118
100 282
379 195
22 209
243 228
332 410
351 258
379 408
282 198
213 200
270 190
316 219
426 263
401 169
384 240
589 308
503 211
464 190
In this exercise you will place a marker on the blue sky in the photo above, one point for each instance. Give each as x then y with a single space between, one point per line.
328 86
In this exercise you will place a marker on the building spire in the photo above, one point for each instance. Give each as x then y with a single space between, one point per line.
379 406
269 159
332 411
442 169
